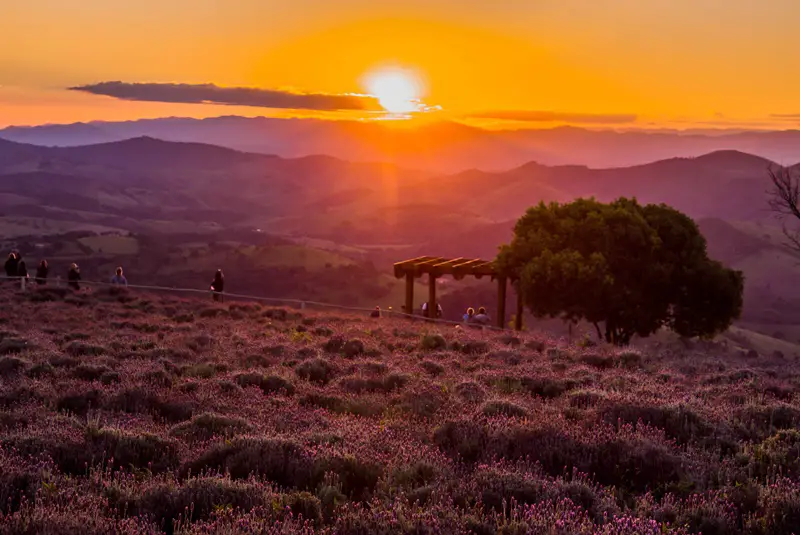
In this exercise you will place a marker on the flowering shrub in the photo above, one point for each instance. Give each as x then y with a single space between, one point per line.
154 414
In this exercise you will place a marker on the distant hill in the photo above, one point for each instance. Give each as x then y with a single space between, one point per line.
147 179
445 147
150 186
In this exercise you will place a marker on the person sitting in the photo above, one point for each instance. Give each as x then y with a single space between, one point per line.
41 272
482 318
469 315
218 285
119 278
73 277
376 313
11 265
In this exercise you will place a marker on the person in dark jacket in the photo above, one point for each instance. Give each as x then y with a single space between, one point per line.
218 285
73 277
11 265
41 272
22 269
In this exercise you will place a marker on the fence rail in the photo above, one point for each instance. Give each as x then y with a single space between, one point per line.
301 303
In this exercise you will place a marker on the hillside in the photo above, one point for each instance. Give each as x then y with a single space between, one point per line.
144 413
443 147
164 190
148 182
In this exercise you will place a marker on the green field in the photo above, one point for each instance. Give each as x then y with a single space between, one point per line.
112 244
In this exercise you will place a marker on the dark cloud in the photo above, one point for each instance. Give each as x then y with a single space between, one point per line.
236 96
787 116
550 116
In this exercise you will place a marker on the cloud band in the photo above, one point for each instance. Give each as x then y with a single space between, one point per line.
234 96
552 116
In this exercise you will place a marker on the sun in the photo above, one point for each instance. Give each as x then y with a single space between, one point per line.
397 90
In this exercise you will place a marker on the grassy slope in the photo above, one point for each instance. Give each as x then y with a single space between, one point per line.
168 386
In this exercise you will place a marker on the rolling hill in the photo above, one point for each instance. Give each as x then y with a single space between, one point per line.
149 179
151 186
444 147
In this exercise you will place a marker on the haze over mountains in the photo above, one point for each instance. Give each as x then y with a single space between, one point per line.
145 178
436 146
378 210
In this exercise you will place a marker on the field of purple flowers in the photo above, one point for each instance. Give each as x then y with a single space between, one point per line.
143 413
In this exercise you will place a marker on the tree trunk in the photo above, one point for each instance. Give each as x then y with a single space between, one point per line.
599 333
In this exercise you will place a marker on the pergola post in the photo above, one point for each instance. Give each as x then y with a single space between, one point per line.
520 308
501 301
409 293
431 296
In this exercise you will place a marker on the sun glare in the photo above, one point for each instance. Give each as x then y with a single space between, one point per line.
397 90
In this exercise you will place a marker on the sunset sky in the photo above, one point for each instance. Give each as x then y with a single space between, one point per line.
617 62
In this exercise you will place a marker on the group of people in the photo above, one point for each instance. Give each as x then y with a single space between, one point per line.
481 318
16 268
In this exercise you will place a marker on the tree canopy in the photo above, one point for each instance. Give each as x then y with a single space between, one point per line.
630 267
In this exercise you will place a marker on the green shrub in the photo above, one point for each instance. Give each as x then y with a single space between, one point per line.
433 368
11 366
208 425
317 371
89 372
470 392
196 499
79 403
503 408
81 349
282 461
433 342
11 346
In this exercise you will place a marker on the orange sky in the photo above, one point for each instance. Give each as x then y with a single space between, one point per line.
688 62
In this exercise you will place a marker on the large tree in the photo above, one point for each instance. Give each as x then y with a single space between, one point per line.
628 267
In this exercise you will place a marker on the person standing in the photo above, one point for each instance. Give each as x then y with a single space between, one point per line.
11 265
218 285
74 277
118 278
41 272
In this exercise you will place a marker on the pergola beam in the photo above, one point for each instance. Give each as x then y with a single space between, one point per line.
459 268
401 268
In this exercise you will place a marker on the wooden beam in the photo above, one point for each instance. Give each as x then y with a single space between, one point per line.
446 267
401 268
459 271
520 308
481 270
409 293
501 302
425 266
432 296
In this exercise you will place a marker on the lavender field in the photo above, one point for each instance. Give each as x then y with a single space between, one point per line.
144 413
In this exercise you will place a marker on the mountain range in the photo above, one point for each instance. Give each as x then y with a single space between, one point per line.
441 146
379 210
145 179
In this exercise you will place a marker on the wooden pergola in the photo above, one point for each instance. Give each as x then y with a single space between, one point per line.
458 268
